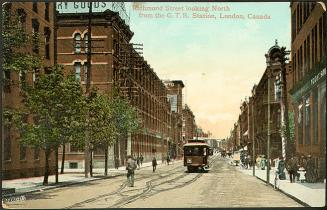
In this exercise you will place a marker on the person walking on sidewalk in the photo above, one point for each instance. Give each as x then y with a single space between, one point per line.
130 167
168 159
292 169
281 168
141 159
138 161
116 162
154 164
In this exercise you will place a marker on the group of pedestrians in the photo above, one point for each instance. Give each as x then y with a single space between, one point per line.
299 169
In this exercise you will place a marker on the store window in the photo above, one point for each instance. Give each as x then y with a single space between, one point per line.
300 124
315 116
307 120
323 119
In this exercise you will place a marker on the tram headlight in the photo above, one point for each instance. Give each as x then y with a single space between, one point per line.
189 160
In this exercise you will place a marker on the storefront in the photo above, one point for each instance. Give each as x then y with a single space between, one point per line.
309 101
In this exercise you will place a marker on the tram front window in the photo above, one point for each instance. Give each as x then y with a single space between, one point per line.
193 151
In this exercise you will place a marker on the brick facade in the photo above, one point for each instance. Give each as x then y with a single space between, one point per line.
26 161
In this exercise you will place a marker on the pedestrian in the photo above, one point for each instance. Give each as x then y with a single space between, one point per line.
302 172
138 162
116 162
130 167
168 159
154 164
281 168
292 169
141 159
310 174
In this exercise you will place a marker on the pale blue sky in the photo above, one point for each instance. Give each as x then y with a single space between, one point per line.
219 60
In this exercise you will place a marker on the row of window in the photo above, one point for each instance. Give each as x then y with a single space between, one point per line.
300 16
305 109
310 52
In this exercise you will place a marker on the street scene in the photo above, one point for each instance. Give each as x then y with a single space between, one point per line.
163 104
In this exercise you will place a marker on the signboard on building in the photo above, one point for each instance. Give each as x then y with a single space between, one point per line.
83 7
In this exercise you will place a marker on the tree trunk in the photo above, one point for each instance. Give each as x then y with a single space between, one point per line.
56 159
46 169
91 163
106 161
63 158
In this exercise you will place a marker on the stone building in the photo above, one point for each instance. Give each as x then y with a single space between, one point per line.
37 19
308 27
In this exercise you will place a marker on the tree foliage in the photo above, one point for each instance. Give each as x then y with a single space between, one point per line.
17 43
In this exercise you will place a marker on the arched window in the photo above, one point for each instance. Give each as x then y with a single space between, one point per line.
77 44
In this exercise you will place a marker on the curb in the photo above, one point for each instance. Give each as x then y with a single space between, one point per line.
287 194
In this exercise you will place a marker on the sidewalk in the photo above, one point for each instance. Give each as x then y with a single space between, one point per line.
310 194
70 177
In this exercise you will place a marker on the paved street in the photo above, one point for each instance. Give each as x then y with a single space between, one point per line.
169 186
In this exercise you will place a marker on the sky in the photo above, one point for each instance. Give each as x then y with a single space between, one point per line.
218 59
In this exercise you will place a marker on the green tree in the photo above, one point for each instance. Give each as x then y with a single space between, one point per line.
103 131
17 56
124 117
56 105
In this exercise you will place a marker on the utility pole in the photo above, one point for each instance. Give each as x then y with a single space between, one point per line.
55 58
253 142
284 105
87 158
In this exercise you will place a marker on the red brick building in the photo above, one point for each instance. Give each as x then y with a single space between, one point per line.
308 54
117 64
36 18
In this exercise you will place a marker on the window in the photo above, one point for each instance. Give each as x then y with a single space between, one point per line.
21 17
315 116
307 120
77 44
323 118
35 32
22 79
36 153
47 34
35 7
300 124
86 42
7 143
85 71
46 11
73 165
35 75
22 152
316 43
320 38
78 71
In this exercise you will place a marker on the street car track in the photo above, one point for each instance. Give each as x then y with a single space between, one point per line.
121 188
148 190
